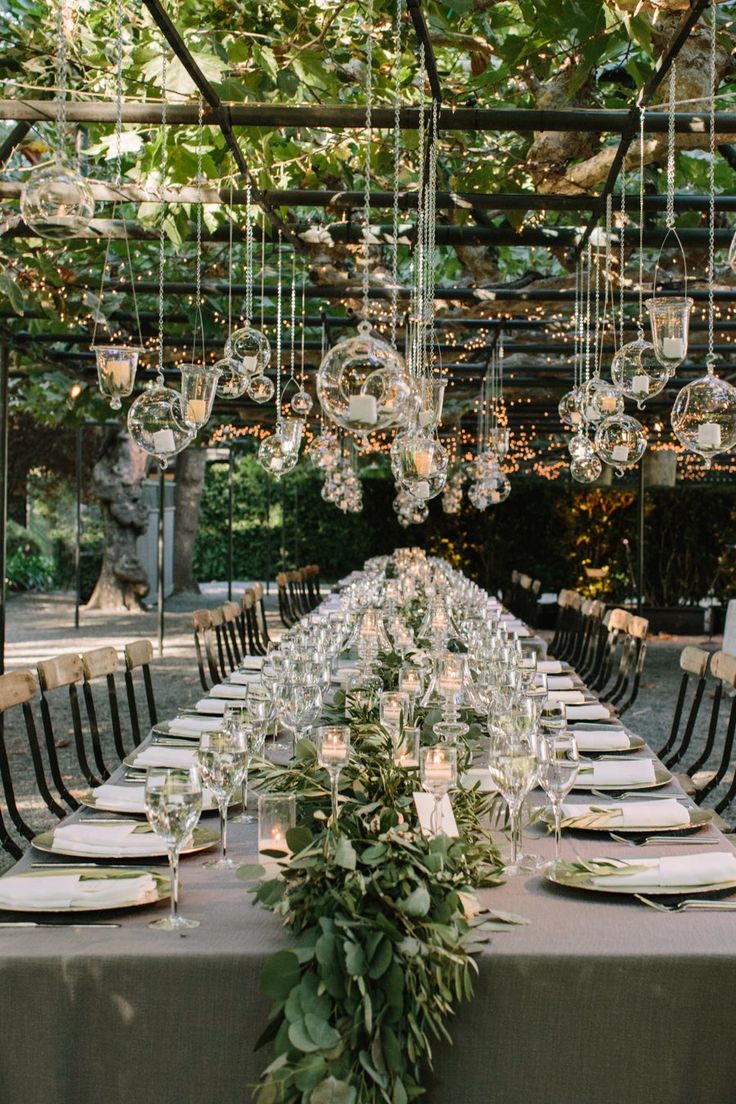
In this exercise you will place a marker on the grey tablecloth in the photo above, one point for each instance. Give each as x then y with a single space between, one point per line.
597 1001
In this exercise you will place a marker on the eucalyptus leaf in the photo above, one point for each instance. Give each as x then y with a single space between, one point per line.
332 1091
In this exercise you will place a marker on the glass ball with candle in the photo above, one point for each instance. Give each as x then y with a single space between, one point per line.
704 416
116 369
600 400
363 385
637 373
156 423
302 403
276 455
438 774
198 389
333 753
260 388
580 447
670 321
56 202
620 441
233 381
422 465
250 348
570 408
586 469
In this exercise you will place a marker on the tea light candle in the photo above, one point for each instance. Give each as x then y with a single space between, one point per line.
334 750
437 768
620 453
575 417
607 404
196 411
640 383
277 842
163 441
709 435
421 490
250 363
673 348
363 408
426 417
422 460
119 372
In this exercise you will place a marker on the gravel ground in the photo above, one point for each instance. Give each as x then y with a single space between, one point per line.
39 626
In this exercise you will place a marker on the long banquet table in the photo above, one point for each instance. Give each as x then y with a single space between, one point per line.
598 1000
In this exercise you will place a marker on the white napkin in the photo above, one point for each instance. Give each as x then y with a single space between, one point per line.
601 739
677 870
227 690
131 799
622 772
633 814
245 678
560 682
86 837
519 630
594 711
567 697
213 705
252 663
61 891
507 617
549 666
159 755
193 726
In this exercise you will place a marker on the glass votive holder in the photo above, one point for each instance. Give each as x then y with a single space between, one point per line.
276 815
406 748
333 746
393 709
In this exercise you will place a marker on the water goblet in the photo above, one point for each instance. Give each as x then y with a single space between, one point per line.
173 801
333 753
559 763
512 764
222 759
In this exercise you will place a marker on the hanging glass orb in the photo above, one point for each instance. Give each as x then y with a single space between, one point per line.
251 348
570 408
580 447
600 400
363 385
670 321
422 465
478 496
260 388
637 373
452 496
233 381
56 202
116 369
430 393
620 441
291 430
499 488
198 390
324 451
499 439
156 423
585 469
704 416
277 455
302 403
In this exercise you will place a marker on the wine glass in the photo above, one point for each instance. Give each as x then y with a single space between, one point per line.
173 800
553 717
559 763
527 666
223 758
333 753
512 764
252 720
438 775
301 703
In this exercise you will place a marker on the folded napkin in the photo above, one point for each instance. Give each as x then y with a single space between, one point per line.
601 739
227 690
594 711
675 870
252 663
622 772
131 799
560 682
61 891
549 666
567 697
87 837
631 814
193 726
159 755
245 678
507 617
213 705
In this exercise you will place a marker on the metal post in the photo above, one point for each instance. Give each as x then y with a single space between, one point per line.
268 535
230 524
3 492
160 565
78 545
640 540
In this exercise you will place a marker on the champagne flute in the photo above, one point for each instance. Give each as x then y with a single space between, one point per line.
222 758
173 800
438 775
559 763
333 753
512 765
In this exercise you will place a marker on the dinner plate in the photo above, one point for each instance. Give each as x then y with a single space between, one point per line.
160 893
553 873
89 800
163 728
635 744
202 838
661 778
698 818
131 760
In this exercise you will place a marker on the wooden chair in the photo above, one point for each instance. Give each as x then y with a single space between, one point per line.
597 638
616 622
313 586
18 689
559 623
625 690
232 613
102 663
261 620
225 663
204 647
250 618
65 672
723 670
139 657
285 611
294 582
693 664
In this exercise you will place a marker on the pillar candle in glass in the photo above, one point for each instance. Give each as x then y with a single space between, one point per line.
276 815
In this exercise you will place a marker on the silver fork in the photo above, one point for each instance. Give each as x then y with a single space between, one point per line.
700 841
693 904
615 795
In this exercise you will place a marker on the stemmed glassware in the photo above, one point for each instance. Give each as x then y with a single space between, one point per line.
333 753
553 717
173 800
438 774
559 763
223 759
301 703
512 764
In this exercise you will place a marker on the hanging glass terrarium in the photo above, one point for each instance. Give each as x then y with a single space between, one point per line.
260 388
600 399
585 469
570 408
620 441
302 403
637 373
233 381
250 348
276 453
156 422
363 385
421 465
198 389
116 369
704 416
56 202
670 320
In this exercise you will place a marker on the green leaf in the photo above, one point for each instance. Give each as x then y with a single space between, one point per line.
250 872
280 974
14 294
417 903
300 1038
332 1091
310 1072
298 839
322 1033
507 917
354 959
345 855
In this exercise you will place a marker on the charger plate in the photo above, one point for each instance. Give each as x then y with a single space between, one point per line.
698 819
161 892
553 873
661 778
202 839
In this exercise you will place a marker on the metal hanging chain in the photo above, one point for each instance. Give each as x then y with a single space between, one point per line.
278 328
670 219
368 141
710 358
588 255
263 271
198 319
607 286
622 255
230 260
641 223
62 79
501 355
162 230
293 318
576 325
397 169
430 207
303 328
419 336
597 305
248 255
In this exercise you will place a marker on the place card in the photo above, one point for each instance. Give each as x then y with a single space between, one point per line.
424 803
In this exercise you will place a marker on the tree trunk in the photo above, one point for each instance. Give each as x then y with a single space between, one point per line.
190 469
117 482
